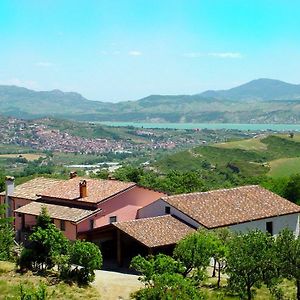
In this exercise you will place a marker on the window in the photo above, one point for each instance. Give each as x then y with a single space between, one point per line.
167 210
62 225
112 219
269 227
91 224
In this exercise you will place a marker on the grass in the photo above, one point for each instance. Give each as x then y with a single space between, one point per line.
28 156
253 144
284 167
10 283
275 155
212 292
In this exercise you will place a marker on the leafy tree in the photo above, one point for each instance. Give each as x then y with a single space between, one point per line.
250 262
87 258
6 235
155 265
221 238
163 279
47 243
194 252
288 255
292 191
169 287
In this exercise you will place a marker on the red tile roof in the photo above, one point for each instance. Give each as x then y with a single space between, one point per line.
57 211
97 189
155 231
231 206
31 188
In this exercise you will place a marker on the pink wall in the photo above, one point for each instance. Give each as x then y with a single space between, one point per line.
125 205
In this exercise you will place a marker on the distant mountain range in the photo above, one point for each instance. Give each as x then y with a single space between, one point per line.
258 101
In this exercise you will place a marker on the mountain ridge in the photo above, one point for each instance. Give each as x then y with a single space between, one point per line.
258 101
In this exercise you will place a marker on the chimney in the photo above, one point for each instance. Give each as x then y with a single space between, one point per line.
73 174
9 190
82 189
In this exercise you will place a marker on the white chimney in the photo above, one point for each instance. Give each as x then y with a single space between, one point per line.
9 190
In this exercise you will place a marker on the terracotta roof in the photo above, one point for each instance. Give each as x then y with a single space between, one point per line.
31 188
231 206
97 189
56 211
155 231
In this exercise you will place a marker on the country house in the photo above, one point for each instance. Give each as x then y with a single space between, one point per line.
125 219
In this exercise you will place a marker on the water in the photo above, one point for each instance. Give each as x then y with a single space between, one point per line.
252 127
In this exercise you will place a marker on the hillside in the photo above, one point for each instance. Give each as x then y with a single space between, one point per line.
260 89
259 101
252 157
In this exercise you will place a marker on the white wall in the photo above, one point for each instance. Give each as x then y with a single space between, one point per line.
157 208
280 222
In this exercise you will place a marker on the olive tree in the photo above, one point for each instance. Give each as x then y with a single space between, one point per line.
194 252
288 255
250 262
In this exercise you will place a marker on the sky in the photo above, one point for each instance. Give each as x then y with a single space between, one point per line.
116 50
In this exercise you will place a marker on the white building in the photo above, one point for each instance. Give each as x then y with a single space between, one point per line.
240 209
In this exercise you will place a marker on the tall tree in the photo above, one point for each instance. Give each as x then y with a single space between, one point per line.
195 252
249 261
288 255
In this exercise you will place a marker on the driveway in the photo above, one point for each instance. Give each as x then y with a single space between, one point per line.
114 285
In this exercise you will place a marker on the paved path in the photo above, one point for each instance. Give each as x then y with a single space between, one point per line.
115 286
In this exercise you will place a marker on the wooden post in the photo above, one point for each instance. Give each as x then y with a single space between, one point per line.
119 250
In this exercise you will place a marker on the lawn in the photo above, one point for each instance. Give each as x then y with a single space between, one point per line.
284 167
10 284
253 144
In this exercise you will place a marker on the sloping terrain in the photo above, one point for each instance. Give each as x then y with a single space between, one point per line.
259 101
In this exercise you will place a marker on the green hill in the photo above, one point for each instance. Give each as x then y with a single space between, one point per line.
259 101
252 162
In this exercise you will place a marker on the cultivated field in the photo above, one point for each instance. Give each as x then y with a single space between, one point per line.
284 167
28 156
248 144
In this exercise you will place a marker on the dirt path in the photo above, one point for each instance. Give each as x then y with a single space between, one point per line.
115 286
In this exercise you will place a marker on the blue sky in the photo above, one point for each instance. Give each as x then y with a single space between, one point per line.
114 50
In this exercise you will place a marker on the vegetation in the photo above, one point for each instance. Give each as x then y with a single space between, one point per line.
11 283
253 262
6 235
49 247
163 278
238 105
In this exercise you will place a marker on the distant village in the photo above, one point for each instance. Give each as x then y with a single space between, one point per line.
40 137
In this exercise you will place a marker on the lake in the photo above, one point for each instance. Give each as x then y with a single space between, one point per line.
255 127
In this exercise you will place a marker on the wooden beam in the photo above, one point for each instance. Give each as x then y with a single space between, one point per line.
119 249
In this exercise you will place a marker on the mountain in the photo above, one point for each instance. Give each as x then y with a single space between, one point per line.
258 101
259 89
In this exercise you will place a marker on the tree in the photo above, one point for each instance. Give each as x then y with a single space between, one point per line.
6 235
288 255
292 191
250 262
194 252
163 279
87 258
221 238
169 287
155 265
47 244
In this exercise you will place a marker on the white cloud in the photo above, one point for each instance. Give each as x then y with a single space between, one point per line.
214 54
44 64
135 53
31 84
226 54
